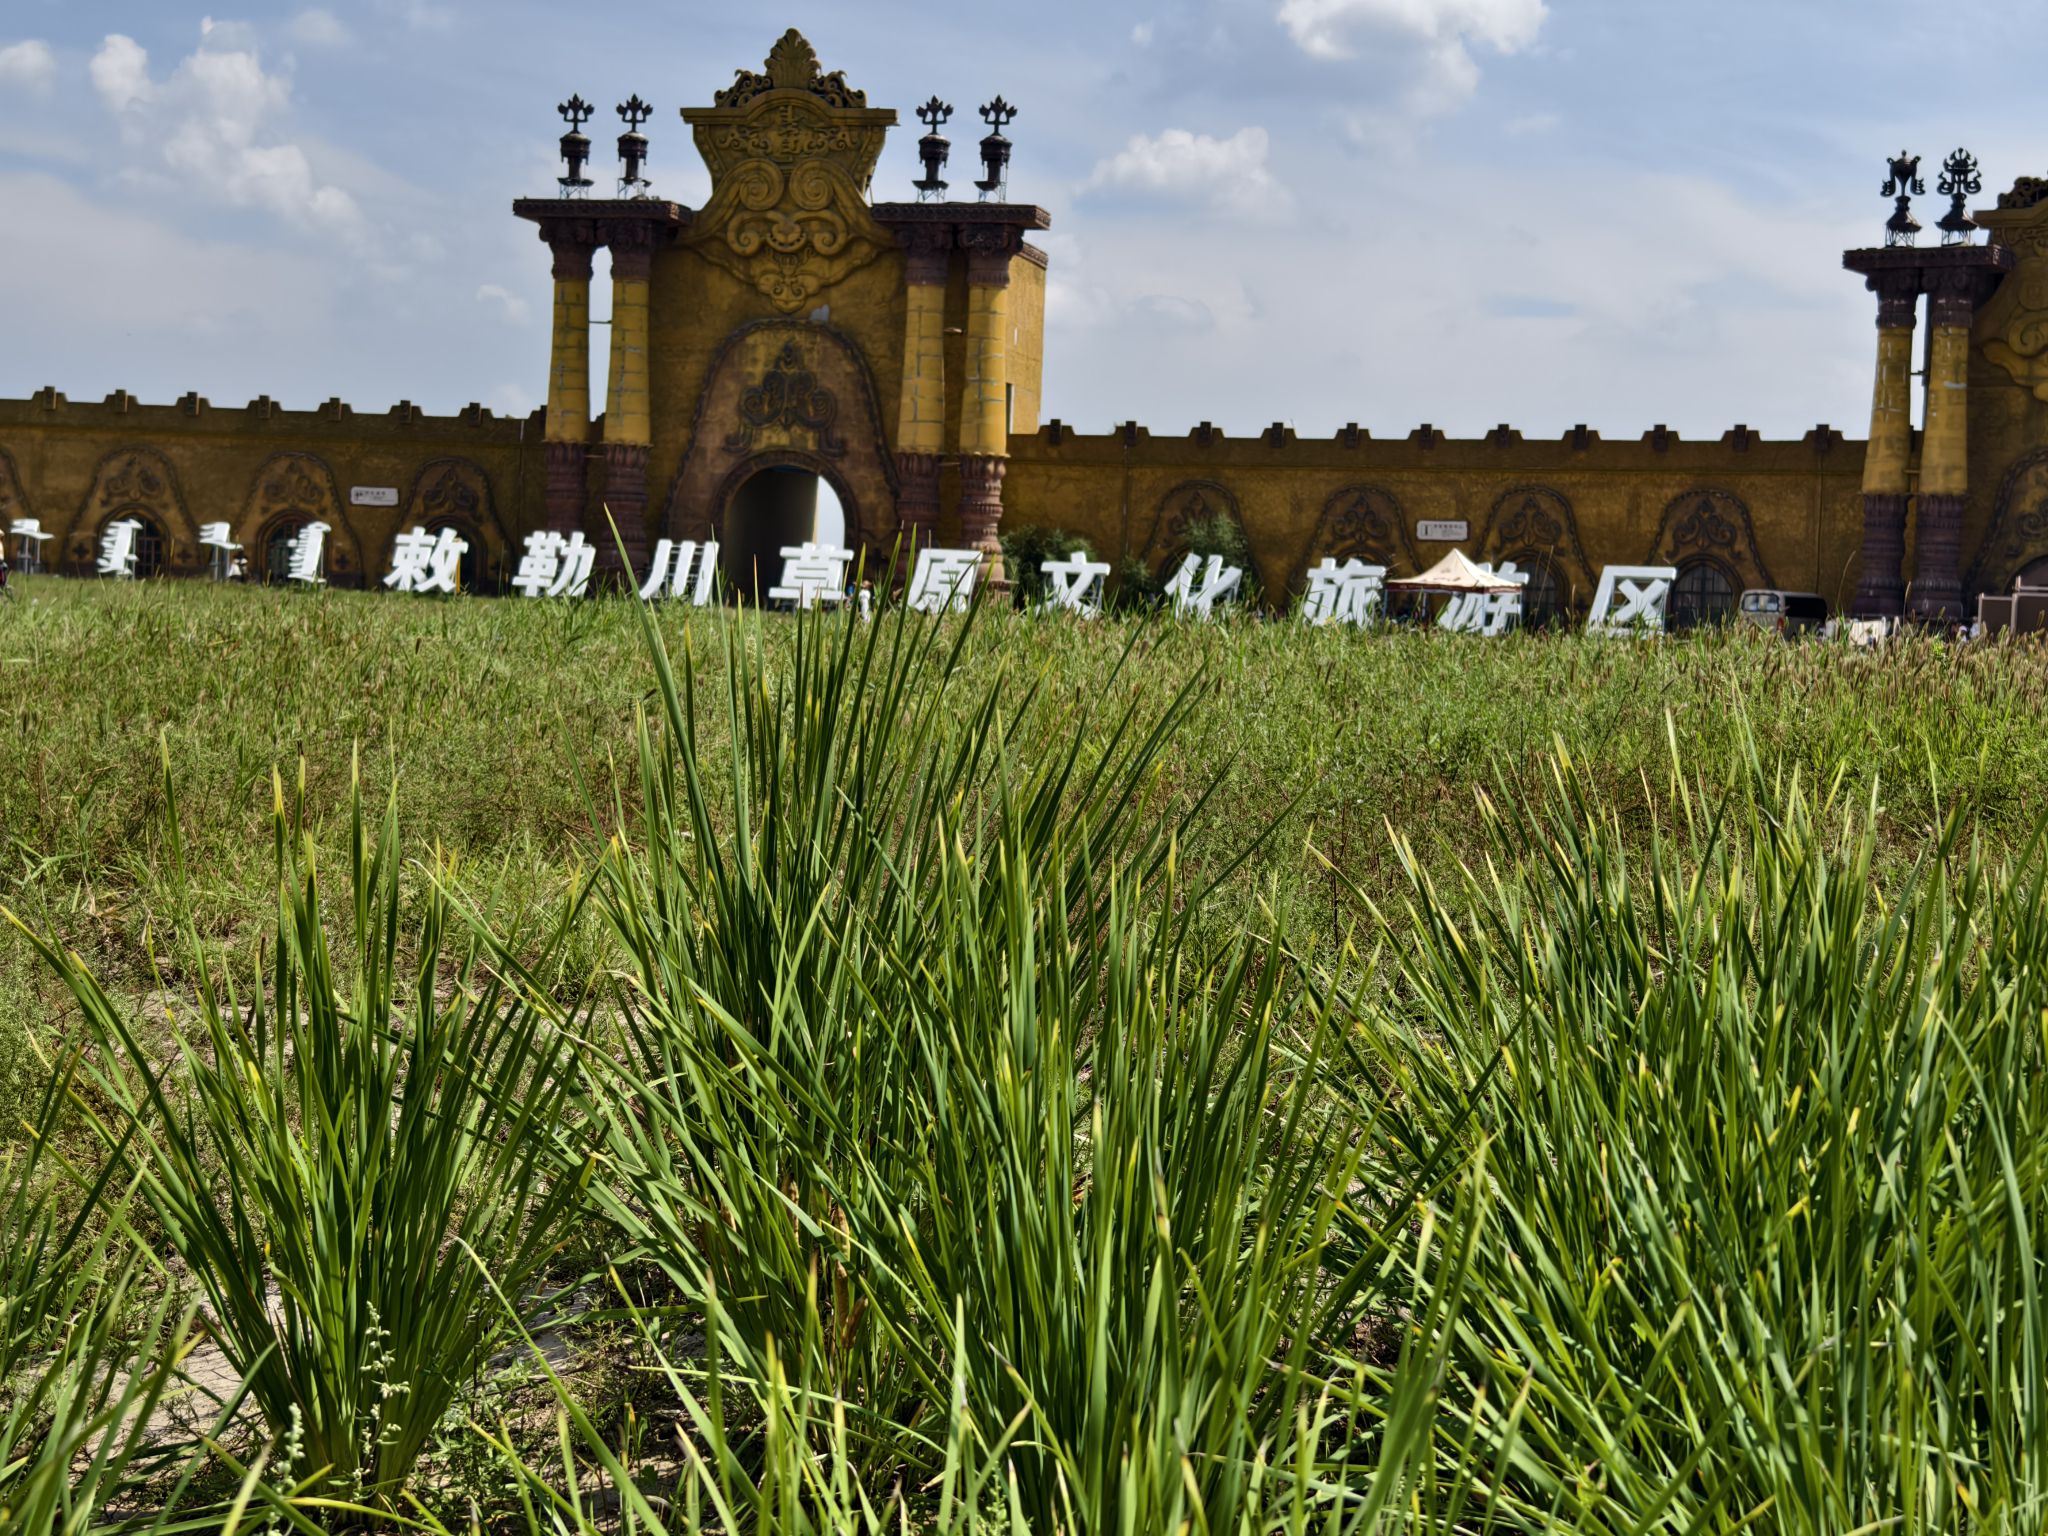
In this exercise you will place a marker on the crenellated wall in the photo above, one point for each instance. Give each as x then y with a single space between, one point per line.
1783 514
1767 513
75 467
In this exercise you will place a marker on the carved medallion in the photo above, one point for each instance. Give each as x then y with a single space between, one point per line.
301 486
1713 525
791 152
1361 522
1535 524
789 396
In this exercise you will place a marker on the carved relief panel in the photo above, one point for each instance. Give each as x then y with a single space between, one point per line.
458 492
1532 523
134 482
2018 535
1365 523
1714 526
791 152
299 487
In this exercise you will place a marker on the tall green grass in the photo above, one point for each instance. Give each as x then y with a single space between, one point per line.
336 1162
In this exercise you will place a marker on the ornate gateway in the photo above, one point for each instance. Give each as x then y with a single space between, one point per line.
791 152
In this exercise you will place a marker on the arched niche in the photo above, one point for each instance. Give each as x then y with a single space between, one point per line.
135 482
1185 508
455 493
1532 523
2018 535
1711 526
1365 523
300 488
793 394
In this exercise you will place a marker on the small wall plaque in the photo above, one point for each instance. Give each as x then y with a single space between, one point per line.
386 496
1443 533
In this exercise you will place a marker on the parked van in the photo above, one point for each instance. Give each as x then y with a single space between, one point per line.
1788 613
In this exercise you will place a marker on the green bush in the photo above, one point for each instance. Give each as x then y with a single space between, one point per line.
1025 550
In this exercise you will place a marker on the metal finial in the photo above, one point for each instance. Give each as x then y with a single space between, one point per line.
933 149
1902 186
1959 183
633 146
995 149
575 146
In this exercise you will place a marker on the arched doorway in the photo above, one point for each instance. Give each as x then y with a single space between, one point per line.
1703 594
149 542
777 506
1542 603
277 548
472 571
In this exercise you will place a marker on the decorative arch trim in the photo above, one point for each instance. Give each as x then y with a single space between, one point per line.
1538 521
14 500
137 479
1715 526
458 490
2019 525
1364 522
299 484
1178 510
732 434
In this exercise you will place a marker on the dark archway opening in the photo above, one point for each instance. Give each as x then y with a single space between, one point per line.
277 548
473 569
1702 595
776 507
1542 602
149 544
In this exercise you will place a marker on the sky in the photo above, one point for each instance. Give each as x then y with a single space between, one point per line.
1467 212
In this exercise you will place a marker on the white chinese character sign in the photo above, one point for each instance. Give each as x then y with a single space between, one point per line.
942 579
117 549
1343 594
812 574
218 540
1219 583
1630 599
554 565
305 554
1486 613
675 564
427 562
29 538
1074 585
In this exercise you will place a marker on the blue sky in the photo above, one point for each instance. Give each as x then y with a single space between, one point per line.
1466 212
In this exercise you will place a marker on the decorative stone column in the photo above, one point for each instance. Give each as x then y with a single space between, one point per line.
568 419
1881 587
628 410
921 411
1945 448
984 398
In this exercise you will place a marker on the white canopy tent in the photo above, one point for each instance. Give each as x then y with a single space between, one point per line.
1456 575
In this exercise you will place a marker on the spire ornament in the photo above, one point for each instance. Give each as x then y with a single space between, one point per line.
933 149
995 149
1960 181
1903 185
633 147
575 146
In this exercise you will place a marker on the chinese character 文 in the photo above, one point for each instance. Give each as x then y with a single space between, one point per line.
943 578
117 549
812 574
1630 598
669 574
1219 583
1343 594
554 565
426 562
1074 584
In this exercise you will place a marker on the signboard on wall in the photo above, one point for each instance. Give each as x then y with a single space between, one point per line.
1443 533
373 495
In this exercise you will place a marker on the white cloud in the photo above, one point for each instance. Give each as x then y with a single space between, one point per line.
317 28
1230 174
120 73
1442 34
1141 34
514 307
29 65
211 121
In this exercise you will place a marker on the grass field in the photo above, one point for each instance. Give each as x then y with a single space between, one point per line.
1088 1077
